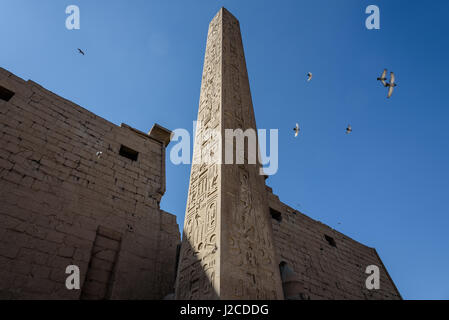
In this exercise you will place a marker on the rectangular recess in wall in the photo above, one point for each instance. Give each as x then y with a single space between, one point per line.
128 153
330 240
101 268
5 94
276 215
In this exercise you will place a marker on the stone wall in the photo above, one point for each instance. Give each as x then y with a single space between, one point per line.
72 193
319 262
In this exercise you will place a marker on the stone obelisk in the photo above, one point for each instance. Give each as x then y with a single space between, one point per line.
227 250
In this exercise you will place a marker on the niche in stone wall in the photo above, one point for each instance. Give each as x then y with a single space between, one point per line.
101 269
276 215
5 94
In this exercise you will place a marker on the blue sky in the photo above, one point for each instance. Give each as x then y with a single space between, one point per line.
387 183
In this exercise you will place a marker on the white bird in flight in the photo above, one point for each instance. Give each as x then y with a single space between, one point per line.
296 129
391 85
383 78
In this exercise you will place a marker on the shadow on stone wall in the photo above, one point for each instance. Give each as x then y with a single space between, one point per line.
196 278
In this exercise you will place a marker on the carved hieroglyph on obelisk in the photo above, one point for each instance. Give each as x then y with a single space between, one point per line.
227 250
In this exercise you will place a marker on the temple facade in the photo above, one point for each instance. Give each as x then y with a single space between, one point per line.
78 191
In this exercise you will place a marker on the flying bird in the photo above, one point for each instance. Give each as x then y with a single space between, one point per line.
309 76
348 129
81 51
391 85
296 129
383 78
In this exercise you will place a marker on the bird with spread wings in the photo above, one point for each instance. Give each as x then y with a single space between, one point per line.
309 76
383 78
296 129
348 129
391 85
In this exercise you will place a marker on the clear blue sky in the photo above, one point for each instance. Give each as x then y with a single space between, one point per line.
387 183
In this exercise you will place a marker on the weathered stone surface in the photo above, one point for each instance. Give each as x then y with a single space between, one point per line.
319 270
57 197
227 250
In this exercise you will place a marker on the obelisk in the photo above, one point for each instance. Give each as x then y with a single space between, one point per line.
227 250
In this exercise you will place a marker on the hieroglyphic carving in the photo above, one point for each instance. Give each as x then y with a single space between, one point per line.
196 275
250 245
250 235
226 202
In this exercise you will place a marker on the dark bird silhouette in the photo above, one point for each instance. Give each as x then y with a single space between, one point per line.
391 85
348 129
296 129
81 51
383 78
309 76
